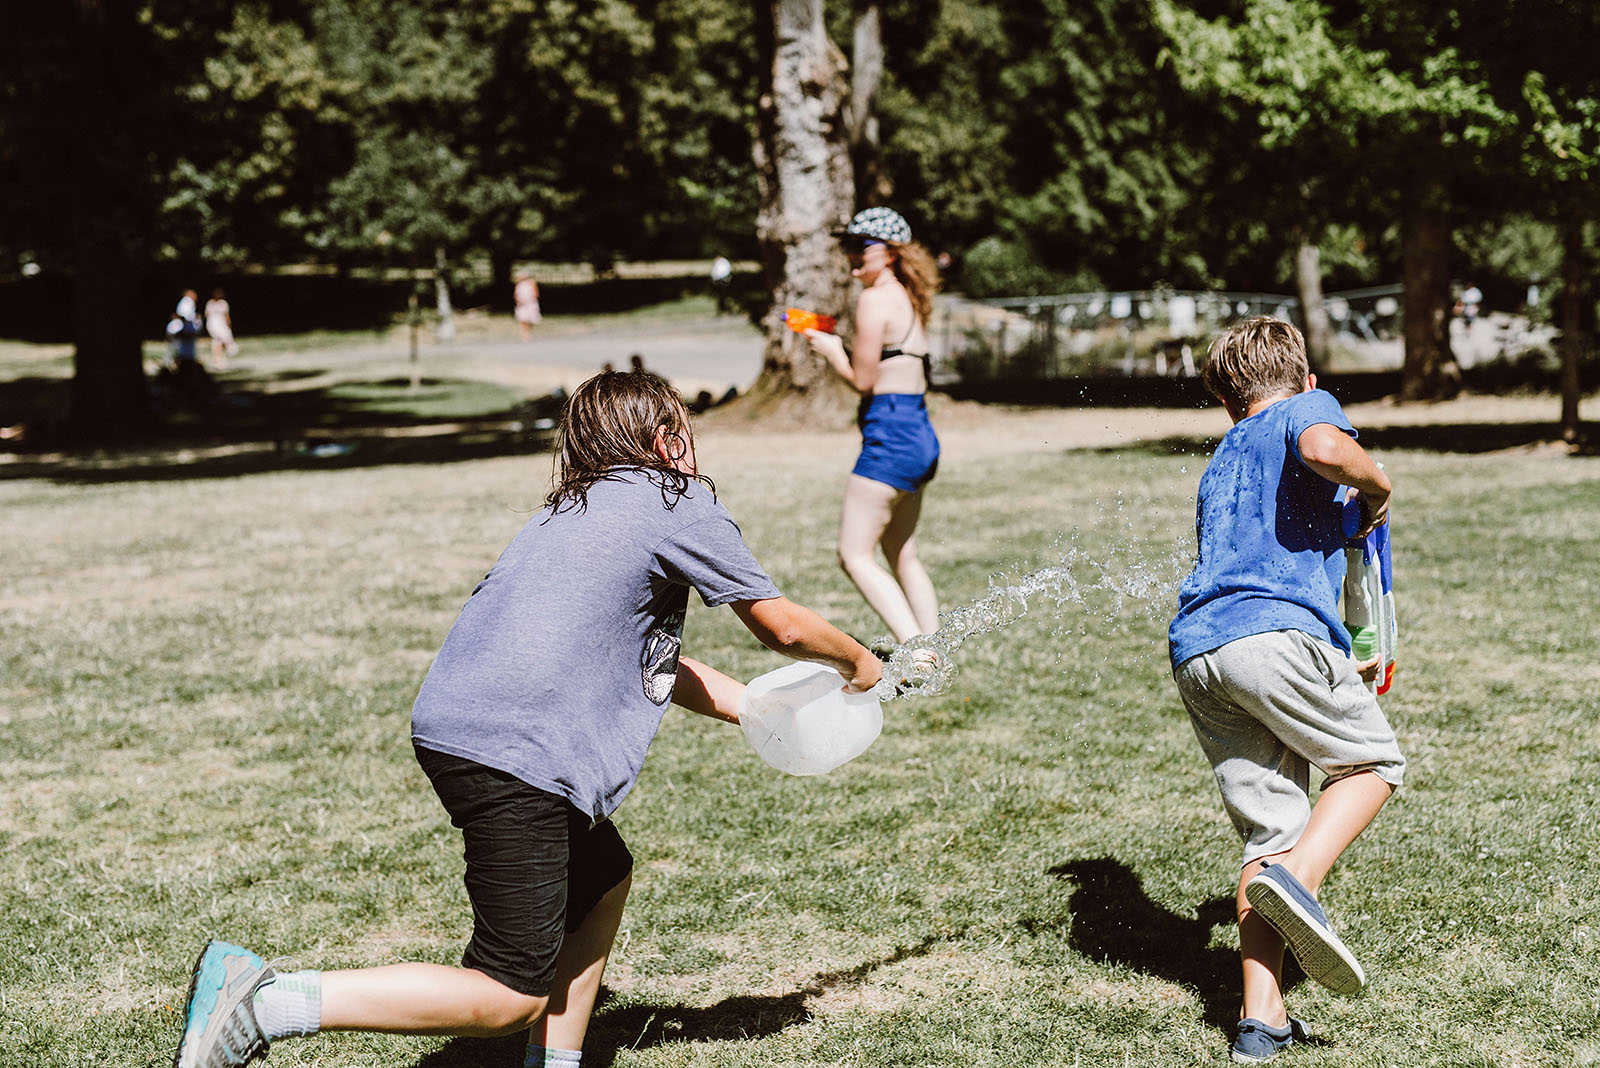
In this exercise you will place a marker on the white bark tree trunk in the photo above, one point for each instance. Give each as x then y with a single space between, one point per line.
1313 311
1570 321
803 159
866 74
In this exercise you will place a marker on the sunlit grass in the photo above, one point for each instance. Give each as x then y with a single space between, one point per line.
204 696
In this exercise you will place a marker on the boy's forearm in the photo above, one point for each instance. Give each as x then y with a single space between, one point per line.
703 689
1334 455
798 632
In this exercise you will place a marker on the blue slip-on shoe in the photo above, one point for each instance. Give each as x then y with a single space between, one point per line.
219 1023
1280 899
1255 1042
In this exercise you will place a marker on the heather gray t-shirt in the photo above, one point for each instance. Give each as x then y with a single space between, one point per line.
562 662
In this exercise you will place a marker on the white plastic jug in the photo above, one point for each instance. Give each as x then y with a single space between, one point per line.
799 719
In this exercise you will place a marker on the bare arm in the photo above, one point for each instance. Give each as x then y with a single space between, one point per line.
1334 455
859 367
707 691
798 632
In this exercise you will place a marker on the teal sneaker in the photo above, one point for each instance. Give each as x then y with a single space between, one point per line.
219 1023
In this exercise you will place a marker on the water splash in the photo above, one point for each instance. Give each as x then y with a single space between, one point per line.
1102 589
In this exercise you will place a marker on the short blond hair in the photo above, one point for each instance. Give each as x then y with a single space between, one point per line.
1255 358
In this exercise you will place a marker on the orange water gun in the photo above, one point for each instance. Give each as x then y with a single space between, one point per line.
800 320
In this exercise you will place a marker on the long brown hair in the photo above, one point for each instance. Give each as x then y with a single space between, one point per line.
610 428
916 269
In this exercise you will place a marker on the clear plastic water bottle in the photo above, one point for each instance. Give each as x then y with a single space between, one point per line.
1367 600
1363 641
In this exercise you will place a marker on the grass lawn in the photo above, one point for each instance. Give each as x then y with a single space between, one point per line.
203 731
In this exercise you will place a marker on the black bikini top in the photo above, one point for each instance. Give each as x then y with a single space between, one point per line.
895 350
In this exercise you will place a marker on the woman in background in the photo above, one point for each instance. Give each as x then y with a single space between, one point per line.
888 366
219 326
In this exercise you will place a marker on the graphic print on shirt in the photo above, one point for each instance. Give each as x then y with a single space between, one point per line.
659 663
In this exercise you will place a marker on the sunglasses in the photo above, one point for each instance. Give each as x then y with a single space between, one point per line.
855 248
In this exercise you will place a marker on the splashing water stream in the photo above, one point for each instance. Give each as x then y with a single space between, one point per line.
1080 581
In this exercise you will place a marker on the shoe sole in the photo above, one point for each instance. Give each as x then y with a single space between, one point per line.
188 1005
1321 954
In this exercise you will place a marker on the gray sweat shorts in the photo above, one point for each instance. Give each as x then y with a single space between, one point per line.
1265 709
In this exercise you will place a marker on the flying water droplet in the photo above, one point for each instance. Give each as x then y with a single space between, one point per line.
924 666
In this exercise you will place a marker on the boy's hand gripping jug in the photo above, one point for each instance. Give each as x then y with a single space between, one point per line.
1368 595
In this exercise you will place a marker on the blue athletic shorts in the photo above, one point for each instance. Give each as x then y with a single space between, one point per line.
898 445
535 868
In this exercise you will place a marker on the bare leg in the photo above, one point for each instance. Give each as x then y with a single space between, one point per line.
900 549
578 971
1343 811
867 512
425 999
1261 953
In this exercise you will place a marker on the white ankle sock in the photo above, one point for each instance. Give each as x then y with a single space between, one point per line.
542 1057
289 1005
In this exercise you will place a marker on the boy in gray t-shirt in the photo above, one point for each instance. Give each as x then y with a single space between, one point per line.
565 657
532 726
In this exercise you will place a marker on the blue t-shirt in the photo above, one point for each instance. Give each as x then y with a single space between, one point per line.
562 662
1271 543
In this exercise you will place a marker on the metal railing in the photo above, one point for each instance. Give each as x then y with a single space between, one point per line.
1128 332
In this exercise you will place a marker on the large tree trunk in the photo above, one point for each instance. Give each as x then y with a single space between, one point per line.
105 160
1429 371
1313 311
1570 319
866 74
502 265
803 160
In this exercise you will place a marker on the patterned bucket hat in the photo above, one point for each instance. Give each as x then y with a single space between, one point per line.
878 224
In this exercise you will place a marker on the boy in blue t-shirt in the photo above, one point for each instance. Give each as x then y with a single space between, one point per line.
1263 661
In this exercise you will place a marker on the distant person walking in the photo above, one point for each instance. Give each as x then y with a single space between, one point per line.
721 280
219 326
888 366
1471 304
188 308
526 295
180 342
184 376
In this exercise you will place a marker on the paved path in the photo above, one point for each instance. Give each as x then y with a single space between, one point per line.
726 349
711 353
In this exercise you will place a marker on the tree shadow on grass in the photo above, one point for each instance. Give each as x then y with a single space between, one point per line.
240 431
642 1026
1115 921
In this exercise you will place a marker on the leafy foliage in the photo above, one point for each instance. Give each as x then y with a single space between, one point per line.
1048 125
1041 142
